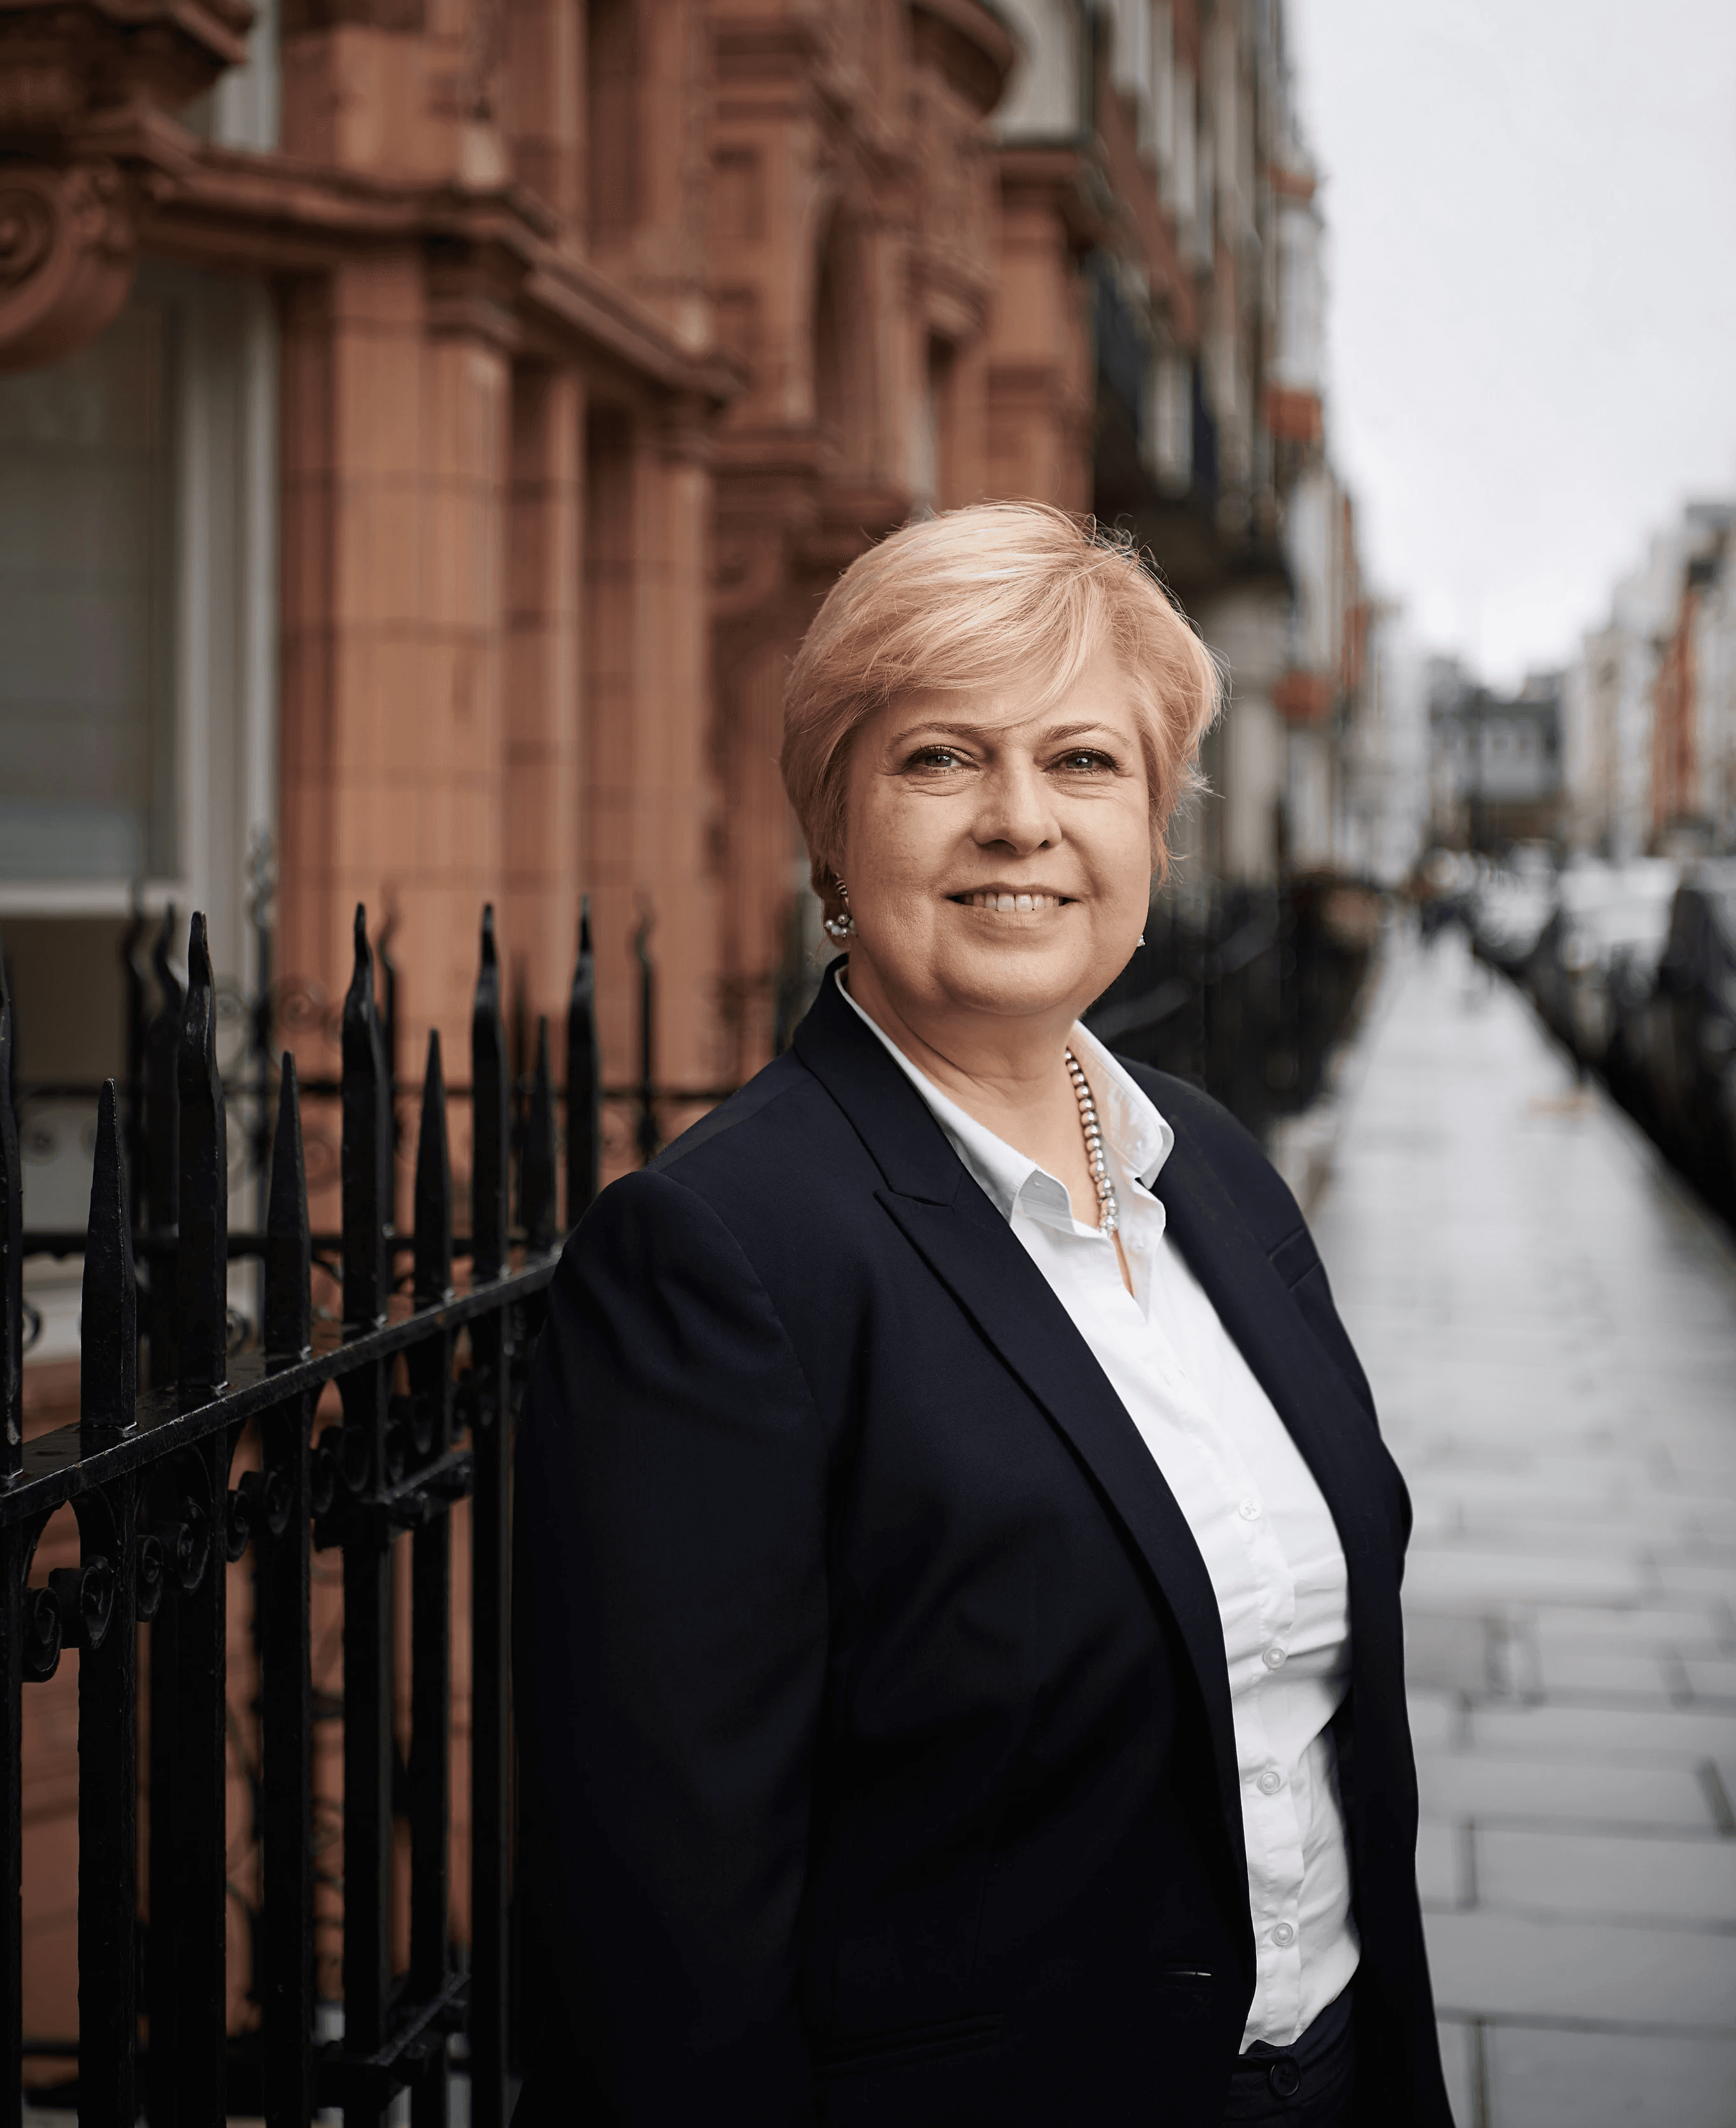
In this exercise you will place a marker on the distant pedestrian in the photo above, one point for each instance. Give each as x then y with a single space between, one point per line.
960 1676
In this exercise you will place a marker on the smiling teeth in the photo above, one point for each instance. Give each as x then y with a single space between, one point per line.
1008 904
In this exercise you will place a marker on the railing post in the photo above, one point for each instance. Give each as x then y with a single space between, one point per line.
161 1166
201 1259
536 1155
132 979
490 1348
189 1665
108 1683
430 1718
584 1078
16 1547
491 1115
14 1560
12 1257
262 885
108 1368
367 1637
287 1984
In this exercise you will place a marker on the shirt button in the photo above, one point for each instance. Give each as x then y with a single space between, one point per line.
1271 1781
1283 1935
1274 1658
1249 1511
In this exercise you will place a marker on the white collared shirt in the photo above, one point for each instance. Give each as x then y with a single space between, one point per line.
1263 1529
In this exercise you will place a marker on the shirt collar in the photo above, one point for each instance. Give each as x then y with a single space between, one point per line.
1138 1136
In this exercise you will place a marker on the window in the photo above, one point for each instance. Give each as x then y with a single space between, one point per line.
1166 433
86 547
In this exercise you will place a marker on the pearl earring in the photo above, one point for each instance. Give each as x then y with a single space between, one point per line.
842 926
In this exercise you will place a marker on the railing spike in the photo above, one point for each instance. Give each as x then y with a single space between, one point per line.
201 1259
367 1146
584 1077
132 978
385 992
489 1115
288 1326
433 1276
108 1375
161 1175
536 1156
162 946
12 1255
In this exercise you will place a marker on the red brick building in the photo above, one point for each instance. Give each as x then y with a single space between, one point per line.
427 427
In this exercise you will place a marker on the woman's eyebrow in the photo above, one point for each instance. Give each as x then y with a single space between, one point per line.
937 727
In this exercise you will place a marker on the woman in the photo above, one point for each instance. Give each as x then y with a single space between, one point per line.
961 1676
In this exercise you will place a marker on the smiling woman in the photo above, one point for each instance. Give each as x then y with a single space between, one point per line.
1007 595
958 1555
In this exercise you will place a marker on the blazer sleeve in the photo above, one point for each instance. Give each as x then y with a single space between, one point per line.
670 1637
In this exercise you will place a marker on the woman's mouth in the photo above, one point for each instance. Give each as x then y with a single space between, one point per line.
1010 904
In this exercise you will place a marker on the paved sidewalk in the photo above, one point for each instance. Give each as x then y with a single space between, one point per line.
1550 1326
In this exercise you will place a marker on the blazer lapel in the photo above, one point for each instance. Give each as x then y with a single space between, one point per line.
1324 1420
973 1252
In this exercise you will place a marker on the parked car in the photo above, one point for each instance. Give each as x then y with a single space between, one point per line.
1609 920
1690 1031
1637 930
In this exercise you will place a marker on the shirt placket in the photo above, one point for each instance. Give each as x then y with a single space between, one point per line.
1271 1820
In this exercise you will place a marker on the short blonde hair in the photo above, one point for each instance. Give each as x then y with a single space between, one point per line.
968 600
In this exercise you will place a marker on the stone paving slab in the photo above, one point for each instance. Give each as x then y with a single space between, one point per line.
1526 1969
1611 1734
1541 2078
1710 1677
1548 1321
1685 1881
1508 1790
1463 1574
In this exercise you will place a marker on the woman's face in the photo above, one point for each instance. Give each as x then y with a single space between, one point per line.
998 859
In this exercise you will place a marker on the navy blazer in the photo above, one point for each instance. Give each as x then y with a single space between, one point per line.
877 1756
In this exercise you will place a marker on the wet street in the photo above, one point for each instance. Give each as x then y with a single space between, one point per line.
1550 1324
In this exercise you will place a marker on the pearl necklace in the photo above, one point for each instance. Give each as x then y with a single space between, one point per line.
1108 1210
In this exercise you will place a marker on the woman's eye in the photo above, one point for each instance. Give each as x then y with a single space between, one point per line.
1086 761
936 756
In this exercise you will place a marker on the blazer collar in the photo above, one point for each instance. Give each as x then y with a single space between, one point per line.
973 1252
888 1115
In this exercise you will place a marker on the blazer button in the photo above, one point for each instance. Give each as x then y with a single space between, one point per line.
1284 2078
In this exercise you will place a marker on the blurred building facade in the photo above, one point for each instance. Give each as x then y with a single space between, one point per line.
1209 435
428 426
1649 734
1495 760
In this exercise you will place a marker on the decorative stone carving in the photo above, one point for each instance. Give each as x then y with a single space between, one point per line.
88 91
67 239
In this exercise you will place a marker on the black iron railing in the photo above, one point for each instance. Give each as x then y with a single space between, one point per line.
426 1383
1245 990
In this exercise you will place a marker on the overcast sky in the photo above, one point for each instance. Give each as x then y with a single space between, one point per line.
1531 216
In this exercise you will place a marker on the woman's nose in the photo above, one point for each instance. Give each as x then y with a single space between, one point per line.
1017 809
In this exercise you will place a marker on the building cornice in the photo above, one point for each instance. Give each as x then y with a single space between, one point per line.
495 268
1063 175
